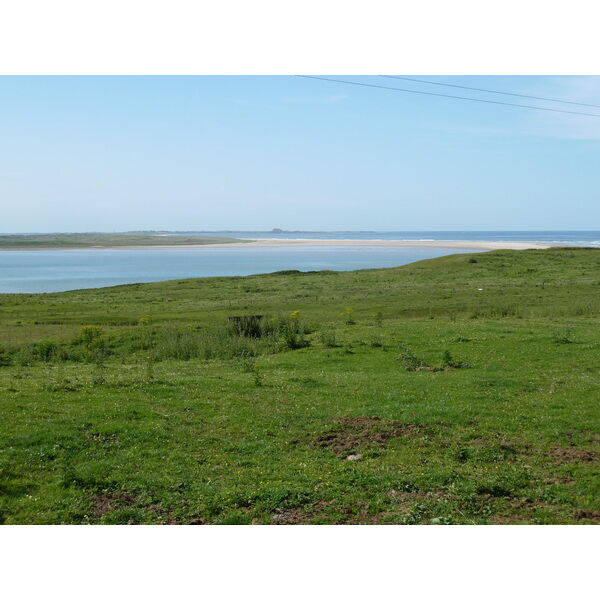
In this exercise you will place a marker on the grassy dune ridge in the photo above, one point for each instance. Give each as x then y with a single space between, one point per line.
65 241
461 389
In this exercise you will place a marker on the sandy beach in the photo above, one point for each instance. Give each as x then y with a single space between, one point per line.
287 243
458 244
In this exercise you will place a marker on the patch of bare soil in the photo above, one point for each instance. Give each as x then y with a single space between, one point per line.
510 520
402 496
104 503
525 515
292 516
351 432
298 516
590 516
564 455
560 481
103 439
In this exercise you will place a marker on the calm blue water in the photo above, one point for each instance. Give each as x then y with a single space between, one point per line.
32 271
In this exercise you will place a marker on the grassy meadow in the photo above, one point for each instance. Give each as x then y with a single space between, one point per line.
458 390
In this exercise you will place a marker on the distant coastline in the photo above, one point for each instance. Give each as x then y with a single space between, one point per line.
458 244
81 241
280 238
97 242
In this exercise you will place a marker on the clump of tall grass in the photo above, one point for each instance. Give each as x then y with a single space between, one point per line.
5 358
89 335
377 341
227 340
497 312
46 352
448 362
235 339
149 368
208 343
348 316
409 360
249 366
329 339
562 336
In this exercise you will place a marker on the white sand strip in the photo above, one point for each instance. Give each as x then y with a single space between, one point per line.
281 243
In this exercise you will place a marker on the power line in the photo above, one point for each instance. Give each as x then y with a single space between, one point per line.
464 87
385 87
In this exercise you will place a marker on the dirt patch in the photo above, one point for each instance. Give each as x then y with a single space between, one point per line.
103 439
402 496
510 520
299 516
560 481
292 516
525 511
562 455
351 432
591 516
104 503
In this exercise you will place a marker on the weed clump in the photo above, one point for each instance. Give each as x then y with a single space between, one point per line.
295 341
562 336
409 360
249 366
89 335
450 363
5 358
348 316
376 341
328 339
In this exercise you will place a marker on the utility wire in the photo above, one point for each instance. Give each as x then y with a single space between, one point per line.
464 87
385 87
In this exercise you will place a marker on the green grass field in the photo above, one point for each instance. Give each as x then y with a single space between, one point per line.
463 389
102 240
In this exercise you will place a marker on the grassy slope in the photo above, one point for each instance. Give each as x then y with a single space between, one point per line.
512 439
102 240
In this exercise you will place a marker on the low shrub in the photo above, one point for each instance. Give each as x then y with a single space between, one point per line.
562 336
295 341
450 363
5 358
410 362
328 339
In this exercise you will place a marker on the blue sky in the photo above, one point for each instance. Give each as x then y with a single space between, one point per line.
210 153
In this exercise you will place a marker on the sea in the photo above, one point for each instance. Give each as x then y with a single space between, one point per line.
45 271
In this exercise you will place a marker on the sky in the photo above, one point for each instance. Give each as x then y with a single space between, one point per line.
256 153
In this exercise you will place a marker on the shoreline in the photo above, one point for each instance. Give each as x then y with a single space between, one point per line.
303 242
464 244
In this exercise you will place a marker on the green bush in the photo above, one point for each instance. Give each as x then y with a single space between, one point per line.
409 361
295 341
328 339
5 358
